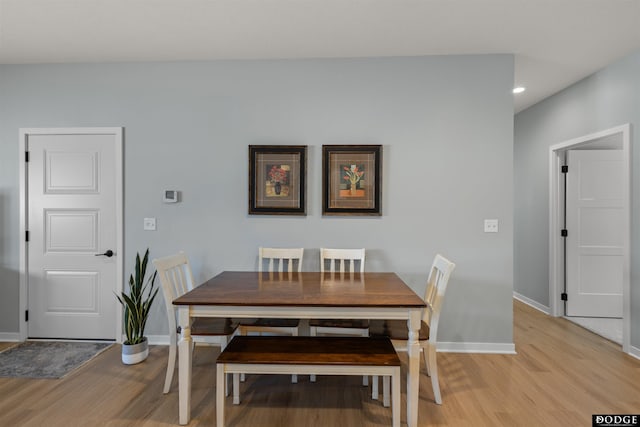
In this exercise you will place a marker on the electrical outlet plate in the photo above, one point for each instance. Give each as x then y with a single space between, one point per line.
490 225
150 224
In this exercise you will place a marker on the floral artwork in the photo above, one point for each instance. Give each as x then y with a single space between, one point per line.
277 182
277 179
353 181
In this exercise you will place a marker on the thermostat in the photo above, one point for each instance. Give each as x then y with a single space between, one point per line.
170 196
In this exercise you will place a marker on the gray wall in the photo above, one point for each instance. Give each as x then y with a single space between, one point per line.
606 99
446 124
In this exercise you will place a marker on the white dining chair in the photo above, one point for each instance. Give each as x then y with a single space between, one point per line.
398 332
341 258
176 279
275 260
341 261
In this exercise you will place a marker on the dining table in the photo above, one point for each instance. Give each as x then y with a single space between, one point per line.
306 295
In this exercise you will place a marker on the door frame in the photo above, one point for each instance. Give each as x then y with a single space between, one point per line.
556 213
117 133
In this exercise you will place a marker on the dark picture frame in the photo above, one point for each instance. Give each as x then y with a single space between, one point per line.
277 179
352 180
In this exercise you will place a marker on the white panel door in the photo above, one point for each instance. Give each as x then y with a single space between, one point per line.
71 182
595 222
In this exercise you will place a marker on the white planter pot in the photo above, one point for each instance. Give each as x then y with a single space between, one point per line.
132 354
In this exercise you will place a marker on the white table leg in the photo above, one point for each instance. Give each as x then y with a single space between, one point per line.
184 365
221 379
385 391
236 389
413 376
374 387
396 398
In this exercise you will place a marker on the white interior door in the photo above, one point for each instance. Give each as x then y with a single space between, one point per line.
72 210
596 207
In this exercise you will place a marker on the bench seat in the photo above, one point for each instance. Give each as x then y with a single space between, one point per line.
308 355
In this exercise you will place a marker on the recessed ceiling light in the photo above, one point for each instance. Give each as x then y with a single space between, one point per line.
519 89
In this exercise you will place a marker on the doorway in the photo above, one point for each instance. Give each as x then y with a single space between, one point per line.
72 220
564 257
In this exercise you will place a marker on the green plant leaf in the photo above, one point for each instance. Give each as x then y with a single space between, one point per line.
137 303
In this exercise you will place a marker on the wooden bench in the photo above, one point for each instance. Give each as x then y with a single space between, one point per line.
307 355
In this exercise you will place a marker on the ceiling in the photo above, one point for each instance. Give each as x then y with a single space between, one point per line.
555 42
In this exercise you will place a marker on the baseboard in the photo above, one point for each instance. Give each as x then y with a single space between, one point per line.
476 347
152 339
164 340
10 337
634 351
158 339
543 308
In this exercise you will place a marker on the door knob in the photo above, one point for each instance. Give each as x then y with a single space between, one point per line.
109 253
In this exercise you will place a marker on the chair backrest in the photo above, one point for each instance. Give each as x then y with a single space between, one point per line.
176 279
342 257
280 256
436 286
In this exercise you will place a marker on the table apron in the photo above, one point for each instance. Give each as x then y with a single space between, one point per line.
302 312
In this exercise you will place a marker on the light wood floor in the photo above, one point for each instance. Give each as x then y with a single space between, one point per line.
561 375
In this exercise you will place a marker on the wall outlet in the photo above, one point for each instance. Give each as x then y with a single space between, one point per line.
150 224
490 225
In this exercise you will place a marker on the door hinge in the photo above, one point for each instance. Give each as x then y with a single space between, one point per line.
564 232
564 296
26 235
26 315
26 156
565 169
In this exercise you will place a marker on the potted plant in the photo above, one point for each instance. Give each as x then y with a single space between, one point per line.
136 311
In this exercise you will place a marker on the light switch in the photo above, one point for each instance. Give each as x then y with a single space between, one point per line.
490 225
150 224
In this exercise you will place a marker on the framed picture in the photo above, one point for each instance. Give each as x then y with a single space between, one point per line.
351 179
277 179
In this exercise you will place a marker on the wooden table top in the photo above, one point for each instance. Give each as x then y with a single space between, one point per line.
313 289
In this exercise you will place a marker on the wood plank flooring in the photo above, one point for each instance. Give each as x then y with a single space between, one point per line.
561 375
